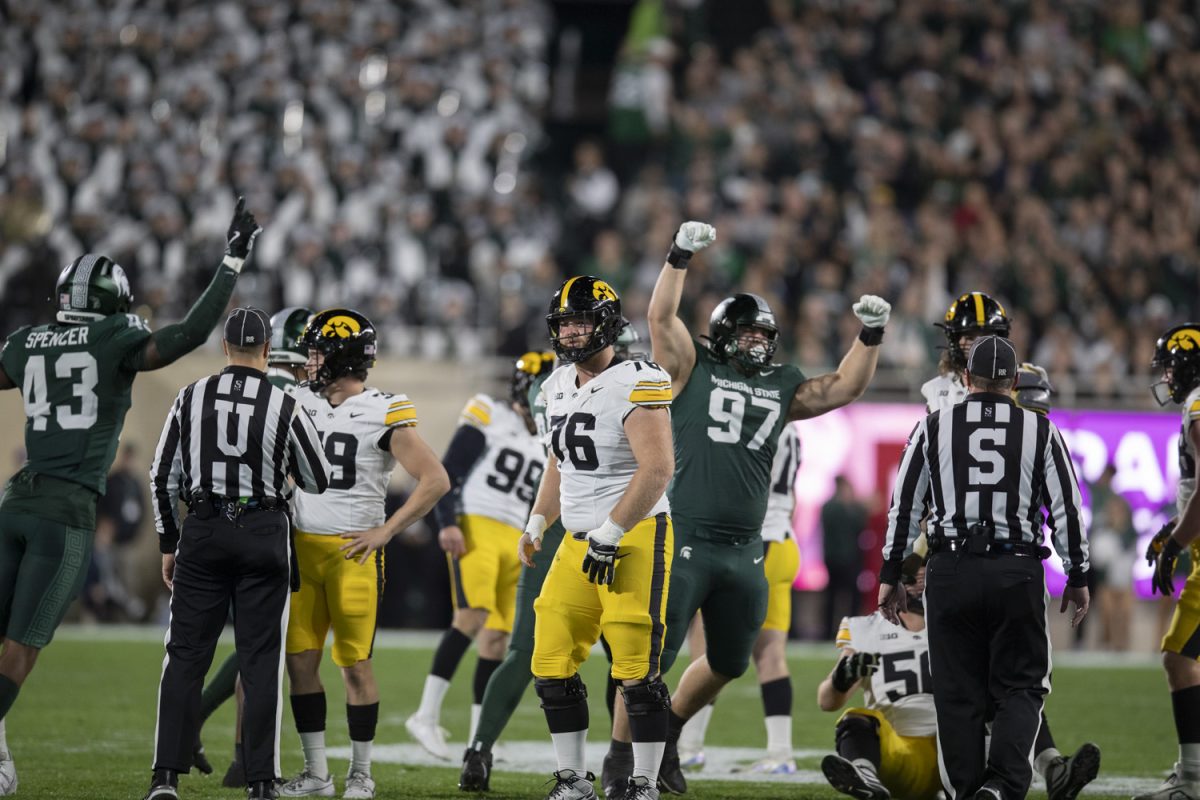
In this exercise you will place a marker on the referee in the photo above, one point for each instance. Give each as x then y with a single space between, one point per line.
227 448
984 469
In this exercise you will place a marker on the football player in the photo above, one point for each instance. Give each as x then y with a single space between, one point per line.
890 746
610 460
972 315
285 369
1177 354
75 377
781 564
495 463
731 403
340 540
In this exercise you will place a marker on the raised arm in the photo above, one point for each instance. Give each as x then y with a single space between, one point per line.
669 337
172 342
824 393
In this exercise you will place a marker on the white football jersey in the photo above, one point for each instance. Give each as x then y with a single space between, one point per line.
944 391
777 524
901 688
504 481
1187 453
352 434
588 438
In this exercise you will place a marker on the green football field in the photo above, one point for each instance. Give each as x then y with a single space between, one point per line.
83 726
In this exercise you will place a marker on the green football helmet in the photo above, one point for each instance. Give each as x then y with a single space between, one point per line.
287 326
92 287
626 340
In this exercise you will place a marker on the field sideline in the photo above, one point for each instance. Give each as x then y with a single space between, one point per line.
83 725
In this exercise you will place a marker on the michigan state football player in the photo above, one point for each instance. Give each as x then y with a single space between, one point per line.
75 375
731 401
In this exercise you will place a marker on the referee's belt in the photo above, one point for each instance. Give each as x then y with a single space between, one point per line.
203 504
981 546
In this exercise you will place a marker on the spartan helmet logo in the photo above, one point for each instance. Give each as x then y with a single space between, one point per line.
1187 340
602 291
341 327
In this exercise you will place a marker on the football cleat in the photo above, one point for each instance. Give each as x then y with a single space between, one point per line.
615 773
691 760
854 779
670 775
359 786
160 792
641 789
429 735
570 785
235 776
200 760
307 785
1066 777
1174 788
476 770
262 790
988 792
8 774
773 765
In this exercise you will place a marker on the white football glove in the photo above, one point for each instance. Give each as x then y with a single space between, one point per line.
872 311
695 236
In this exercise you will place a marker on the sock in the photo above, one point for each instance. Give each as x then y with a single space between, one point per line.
622 750
695 729
220 688
779 736
309 711
484 669
476 711
431 698
8 694
1186 705
568 749
858 740
647 756
777 709
1044 759
504 691
675 725
362 721
449 653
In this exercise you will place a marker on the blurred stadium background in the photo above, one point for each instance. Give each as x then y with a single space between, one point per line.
441 165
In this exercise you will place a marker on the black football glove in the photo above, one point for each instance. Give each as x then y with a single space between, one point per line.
243 230
1163 580
600 563
850 669
1156 542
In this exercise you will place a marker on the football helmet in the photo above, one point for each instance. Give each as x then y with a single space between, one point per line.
287 326
347 340
92 287
593 300
623 347
1032 389
1177 353
974 313
742 310
525 370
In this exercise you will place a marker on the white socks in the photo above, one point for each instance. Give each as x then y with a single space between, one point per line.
476 710
779 736
1043 760
431 698
314 753
360 756
568 748
1189 762
695 729
648 755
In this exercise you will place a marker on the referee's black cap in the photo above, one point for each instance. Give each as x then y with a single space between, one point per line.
993 358
248 327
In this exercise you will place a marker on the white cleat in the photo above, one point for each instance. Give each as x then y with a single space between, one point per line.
307 785
8 774
773 765
1174 788
359 786
691 760
570 785
429 735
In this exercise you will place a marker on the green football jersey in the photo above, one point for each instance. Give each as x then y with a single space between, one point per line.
726 426
75 381
281 378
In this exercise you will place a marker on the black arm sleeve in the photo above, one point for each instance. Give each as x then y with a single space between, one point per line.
465 449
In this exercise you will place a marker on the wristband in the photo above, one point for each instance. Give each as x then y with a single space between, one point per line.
677 257
535 527
234 263
871 337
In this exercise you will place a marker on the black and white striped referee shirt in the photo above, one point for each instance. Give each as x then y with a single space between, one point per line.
233 435
986 460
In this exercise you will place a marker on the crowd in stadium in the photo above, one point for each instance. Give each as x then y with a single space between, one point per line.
1037 151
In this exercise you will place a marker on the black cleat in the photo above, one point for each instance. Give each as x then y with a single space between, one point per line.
1066 777
262 790
848 778
615 772
670 775
476 770
235 776
200 760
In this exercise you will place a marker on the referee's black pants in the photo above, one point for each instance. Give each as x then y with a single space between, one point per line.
221 561
988 646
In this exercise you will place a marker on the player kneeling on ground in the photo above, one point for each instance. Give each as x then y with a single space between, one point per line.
890 746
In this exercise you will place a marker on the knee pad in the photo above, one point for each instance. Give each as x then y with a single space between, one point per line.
647 697
856 726
561 692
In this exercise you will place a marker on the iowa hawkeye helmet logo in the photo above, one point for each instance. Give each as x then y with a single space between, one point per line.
1187 340
602 291
341 327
